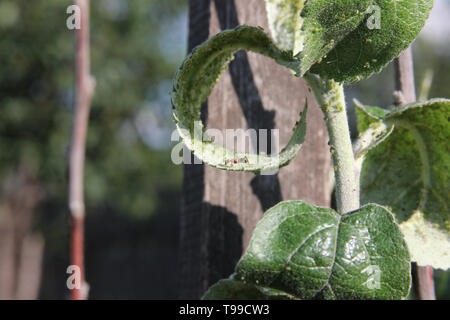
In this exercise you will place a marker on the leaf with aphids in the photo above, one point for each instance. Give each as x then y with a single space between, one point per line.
313 28
194 82
346 40
285 23
370 47
409 172
232 289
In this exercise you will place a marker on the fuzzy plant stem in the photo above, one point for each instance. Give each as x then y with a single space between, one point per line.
330 96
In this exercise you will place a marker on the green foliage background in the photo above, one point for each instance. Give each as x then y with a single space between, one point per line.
130 178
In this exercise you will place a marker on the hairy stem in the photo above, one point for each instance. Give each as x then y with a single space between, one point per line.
330 96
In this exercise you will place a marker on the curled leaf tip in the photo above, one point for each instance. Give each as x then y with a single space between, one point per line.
194 82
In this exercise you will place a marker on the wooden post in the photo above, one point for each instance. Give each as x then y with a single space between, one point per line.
220 209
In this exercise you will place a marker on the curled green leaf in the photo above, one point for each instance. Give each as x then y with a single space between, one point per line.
315 253
194 82
409 172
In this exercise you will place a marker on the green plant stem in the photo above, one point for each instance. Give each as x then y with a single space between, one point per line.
330 96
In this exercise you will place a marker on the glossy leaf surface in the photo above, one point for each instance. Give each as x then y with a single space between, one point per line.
230 289
312 252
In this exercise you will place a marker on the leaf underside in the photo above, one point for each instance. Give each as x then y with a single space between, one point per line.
194 82
409 172
286 23
314 253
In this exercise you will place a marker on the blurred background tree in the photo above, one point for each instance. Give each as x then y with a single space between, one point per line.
132 187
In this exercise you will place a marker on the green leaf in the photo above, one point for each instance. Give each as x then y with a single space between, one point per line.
194 82
365 51
373 130
285 23
313 252
346 40
409 172
310 29
230 289
368 114
326 24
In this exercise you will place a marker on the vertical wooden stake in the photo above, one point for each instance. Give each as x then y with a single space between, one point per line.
406 93
84 90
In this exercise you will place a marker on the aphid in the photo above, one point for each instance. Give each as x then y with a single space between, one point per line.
243 160
236 161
